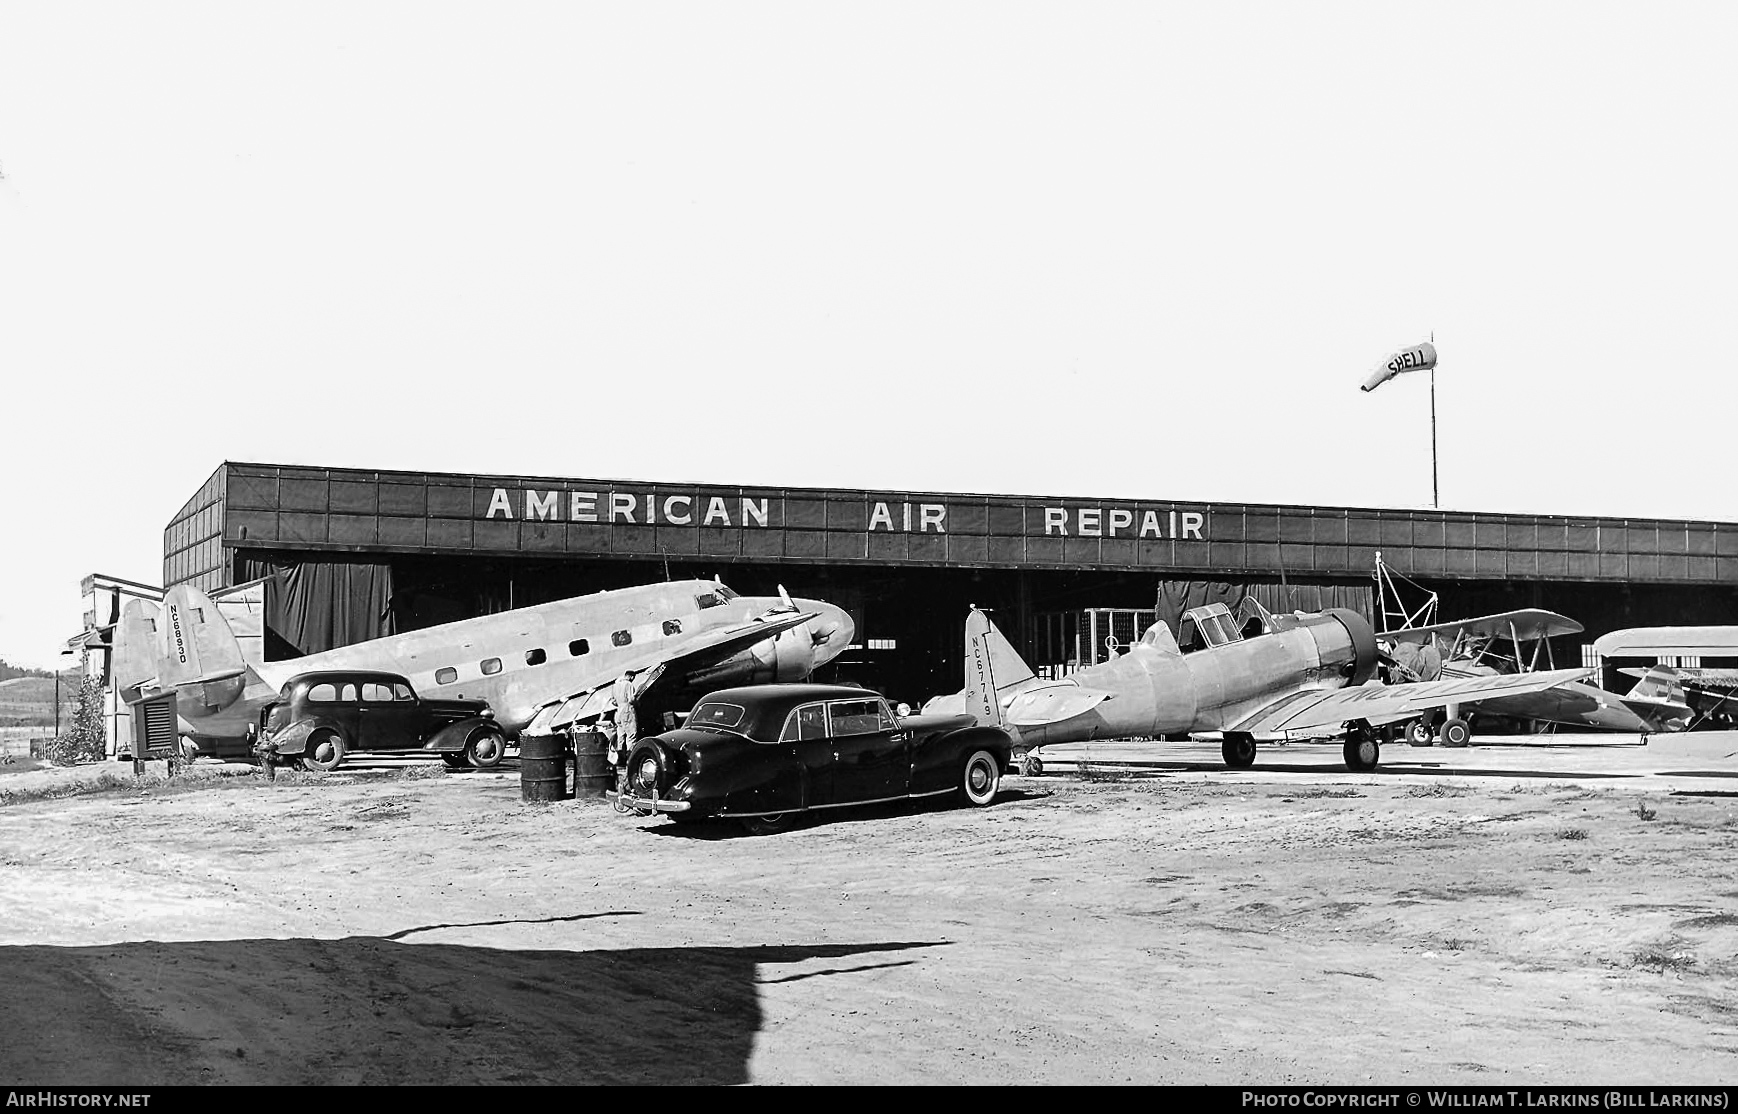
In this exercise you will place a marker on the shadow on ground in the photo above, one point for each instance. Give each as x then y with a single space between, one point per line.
368 1010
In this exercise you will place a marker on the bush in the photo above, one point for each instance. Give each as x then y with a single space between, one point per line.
84 741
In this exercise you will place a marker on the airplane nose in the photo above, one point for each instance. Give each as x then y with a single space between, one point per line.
831 630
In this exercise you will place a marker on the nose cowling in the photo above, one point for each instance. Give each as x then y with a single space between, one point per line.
1344 639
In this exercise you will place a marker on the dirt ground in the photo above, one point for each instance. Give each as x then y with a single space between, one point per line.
1499 915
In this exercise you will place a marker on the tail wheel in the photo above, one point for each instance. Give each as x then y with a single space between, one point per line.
1363 750
485 748
1418 734
1031 766
1238 749
1456 733
325 750
980 778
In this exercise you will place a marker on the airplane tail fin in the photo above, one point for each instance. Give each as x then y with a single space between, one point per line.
1659 684
993 667
197 653
134 663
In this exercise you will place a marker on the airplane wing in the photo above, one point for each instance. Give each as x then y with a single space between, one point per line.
1526 625
1716 681
1053 704
702 650
1318 708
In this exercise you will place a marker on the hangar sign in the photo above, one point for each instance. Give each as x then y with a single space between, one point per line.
881 514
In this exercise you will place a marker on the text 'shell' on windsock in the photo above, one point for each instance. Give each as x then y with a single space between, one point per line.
1420 357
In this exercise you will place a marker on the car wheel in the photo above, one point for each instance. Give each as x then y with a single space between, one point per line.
644 771
325 750
1456 733
1238 750
1418 734
980 778
485 748
770 825
456 761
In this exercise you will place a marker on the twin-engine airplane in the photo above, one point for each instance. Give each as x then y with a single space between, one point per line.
695 634
1308 675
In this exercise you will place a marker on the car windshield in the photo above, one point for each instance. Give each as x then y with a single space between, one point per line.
725 717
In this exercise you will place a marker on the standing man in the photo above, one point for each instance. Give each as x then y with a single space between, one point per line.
627 725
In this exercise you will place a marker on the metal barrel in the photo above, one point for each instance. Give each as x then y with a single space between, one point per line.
543 768
591 769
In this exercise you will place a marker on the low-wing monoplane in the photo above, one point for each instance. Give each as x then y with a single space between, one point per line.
1313 676
688 635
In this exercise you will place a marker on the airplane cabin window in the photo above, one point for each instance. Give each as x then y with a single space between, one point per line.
491 666
621 638
578 647
672 626
535 657
446 676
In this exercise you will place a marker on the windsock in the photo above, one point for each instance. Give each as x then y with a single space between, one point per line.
1417 358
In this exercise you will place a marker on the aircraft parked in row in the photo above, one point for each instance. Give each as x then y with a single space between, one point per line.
695 635
1308 675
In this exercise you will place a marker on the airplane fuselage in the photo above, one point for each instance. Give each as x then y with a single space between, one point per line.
519 660
1161 691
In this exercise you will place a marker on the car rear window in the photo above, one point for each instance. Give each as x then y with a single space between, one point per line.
716 715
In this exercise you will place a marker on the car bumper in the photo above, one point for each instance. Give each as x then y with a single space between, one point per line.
627 802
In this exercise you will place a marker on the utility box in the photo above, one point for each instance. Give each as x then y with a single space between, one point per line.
154 720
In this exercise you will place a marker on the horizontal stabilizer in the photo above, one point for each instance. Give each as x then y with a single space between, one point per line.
1053 704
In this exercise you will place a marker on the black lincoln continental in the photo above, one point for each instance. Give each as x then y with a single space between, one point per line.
762 754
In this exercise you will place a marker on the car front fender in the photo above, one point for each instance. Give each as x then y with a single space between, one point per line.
451 739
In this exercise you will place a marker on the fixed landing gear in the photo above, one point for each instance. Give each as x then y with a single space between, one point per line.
1238 747
1456 733
1419 734
1363 749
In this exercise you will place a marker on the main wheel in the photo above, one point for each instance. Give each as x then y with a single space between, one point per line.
770 825
980 778
1238 749
325 750
485 748
1418 734
1363 750
1456 733
456 761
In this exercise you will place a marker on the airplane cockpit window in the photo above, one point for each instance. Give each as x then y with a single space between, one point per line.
1203 627
707 599
725 593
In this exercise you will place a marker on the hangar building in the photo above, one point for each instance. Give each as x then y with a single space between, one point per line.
345 555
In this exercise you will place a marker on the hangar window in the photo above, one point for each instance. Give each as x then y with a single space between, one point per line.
707 599
577 647
672 626
491 666
621 638
535 657
446 676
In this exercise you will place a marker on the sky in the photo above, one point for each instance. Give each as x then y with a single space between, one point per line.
1143 251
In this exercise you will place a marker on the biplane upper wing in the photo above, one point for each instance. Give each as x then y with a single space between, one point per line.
1525 625
1316 709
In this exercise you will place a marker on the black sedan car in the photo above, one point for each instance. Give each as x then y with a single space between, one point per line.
318 718
762 754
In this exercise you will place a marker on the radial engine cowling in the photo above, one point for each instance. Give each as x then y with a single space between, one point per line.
788 657
1345 643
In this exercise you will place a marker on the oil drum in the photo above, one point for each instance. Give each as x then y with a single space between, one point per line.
591 769
543 768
